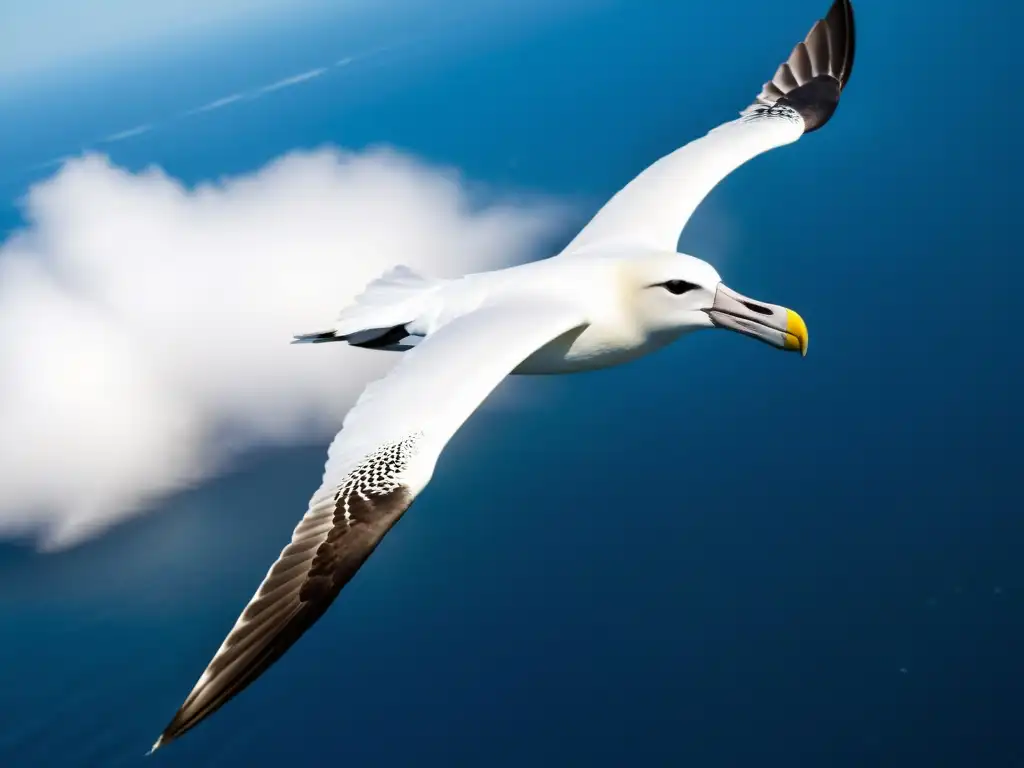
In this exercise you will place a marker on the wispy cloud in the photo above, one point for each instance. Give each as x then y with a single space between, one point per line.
286 82
53 162
127 134
216 104
224 101
144 325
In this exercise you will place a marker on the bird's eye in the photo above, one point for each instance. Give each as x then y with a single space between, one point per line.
678 287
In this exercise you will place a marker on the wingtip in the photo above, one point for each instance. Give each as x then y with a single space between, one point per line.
156 745
844 38
812 79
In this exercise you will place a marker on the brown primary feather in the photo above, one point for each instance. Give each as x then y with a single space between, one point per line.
328 547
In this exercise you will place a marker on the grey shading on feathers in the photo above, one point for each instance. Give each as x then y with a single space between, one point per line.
812 78
328 546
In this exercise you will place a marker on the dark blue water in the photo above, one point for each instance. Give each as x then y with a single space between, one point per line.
717 556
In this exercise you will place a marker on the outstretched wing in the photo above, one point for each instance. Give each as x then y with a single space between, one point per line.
382 458
653 208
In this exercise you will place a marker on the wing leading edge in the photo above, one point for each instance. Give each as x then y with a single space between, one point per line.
801 97
382 458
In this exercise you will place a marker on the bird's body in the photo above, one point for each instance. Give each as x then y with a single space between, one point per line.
600 286
617 292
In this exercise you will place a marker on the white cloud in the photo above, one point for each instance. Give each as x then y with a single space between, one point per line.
145 326
224 101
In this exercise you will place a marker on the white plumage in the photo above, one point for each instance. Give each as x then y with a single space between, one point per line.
618 291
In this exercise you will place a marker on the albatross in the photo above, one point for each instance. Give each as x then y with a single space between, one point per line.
618 291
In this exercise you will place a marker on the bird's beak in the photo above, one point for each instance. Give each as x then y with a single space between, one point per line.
770 323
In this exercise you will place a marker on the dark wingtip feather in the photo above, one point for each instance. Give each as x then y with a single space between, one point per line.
819 67
329 545
842 38
202 703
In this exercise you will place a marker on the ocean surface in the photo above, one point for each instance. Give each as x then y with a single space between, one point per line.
716 556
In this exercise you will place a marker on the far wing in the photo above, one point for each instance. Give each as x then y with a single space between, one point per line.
382 458
653 208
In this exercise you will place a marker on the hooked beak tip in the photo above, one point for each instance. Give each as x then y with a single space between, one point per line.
796 333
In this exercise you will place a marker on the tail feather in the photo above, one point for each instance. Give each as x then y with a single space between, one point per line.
316 337
377 317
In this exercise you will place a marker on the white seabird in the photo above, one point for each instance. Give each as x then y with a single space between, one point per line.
618 291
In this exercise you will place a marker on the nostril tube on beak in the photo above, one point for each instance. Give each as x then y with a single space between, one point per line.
757 308
770 323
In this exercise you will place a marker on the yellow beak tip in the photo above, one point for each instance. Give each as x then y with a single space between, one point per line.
796 333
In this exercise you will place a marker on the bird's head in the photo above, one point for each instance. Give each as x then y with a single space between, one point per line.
676 293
